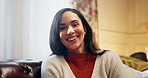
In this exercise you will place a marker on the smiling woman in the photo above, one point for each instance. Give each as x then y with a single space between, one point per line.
74 52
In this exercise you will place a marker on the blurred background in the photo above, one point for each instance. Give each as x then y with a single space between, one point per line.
25 25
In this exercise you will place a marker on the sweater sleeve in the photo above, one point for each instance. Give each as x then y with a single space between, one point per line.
115 66
119 70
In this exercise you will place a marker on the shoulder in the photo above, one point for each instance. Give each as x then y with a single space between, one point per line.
52 63
51 66
53 60
109 56
108 53
113 64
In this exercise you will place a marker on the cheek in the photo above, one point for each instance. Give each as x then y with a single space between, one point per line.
62 36
82 30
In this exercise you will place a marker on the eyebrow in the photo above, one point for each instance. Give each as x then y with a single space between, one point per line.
74 21
70 22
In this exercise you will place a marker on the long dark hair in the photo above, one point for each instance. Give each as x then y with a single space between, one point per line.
56 45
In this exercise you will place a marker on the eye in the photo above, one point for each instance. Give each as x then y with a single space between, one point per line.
62 28
75 24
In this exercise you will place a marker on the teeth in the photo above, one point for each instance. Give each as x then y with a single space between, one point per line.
72 38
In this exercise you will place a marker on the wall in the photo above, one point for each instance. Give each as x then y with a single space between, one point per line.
113 25
138 21
118 30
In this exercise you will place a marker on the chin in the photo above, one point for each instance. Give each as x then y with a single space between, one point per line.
72 48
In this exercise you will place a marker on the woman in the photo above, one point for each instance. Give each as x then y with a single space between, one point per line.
74 53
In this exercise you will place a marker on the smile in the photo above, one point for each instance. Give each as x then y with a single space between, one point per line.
72 38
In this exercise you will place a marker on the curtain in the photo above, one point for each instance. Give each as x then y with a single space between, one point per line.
89 8
25 26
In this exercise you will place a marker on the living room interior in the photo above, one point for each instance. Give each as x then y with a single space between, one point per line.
122 27
25 25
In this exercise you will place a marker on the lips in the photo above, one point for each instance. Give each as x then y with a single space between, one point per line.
72 38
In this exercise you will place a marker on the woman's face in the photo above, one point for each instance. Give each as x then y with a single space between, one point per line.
72 32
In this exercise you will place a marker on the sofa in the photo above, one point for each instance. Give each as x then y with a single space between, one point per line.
135 63
32 69
20 69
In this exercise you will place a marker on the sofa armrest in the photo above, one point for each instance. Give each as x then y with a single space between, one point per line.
20 69
10 70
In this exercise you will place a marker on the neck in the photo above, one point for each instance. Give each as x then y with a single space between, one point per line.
78 50
75 50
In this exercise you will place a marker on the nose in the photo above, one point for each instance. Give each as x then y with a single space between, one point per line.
70 30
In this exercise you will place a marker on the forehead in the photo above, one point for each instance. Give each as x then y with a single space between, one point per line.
69 16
